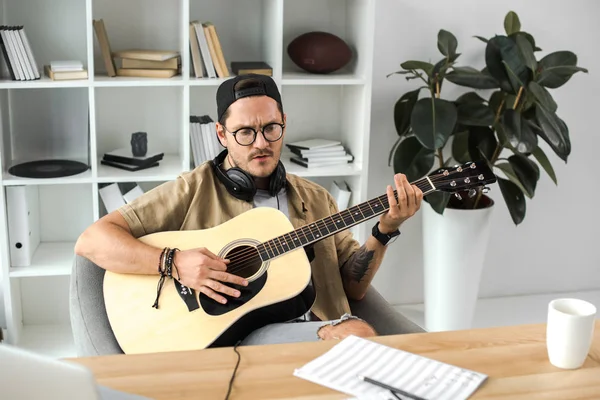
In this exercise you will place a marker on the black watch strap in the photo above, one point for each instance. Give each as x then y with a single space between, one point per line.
383 237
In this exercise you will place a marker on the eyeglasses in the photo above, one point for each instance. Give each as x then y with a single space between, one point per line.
246 136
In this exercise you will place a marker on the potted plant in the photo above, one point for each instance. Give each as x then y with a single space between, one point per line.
505 117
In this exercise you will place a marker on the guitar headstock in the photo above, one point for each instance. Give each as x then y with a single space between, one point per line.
470 175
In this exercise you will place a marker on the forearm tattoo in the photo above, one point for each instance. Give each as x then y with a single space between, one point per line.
358 265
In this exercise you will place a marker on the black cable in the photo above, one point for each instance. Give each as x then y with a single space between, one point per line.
234 370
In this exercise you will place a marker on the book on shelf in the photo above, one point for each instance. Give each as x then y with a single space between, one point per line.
340 190
319 152
18 56
64 75
171 63
206 51
105 49
146 54
251 67
115 195
124 155
203 139
147 72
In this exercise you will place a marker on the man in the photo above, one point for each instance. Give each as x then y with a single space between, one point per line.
251 126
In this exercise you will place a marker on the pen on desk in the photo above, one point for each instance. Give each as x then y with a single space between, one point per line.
391 388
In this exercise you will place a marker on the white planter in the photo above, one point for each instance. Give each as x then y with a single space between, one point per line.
454 250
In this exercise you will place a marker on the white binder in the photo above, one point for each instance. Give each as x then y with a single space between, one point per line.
23 210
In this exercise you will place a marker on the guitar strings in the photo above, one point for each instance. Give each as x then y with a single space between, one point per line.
244 260
243 256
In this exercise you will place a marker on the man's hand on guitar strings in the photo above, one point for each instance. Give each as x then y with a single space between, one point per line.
408 203
204 272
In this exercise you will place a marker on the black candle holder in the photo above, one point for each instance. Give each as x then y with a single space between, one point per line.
139 144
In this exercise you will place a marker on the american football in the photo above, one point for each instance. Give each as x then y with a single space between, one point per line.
319 52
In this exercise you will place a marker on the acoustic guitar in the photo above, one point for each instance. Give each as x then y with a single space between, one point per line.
264 248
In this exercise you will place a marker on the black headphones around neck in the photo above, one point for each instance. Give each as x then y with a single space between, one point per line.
240 184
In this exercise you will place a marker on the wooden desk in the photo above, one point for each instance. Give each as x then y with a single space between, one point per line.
514 357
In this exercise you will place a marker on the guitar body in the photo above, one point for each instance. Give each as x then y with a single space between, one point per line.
185 322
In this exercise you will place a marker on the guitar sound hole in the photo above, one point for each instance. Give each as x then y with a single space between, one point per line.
244 261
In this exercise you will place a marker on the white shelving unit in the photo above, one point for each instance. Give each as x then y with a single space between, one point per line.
81 120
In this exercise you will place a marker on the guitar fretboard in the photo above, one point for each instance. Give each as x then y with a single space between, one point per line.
330 225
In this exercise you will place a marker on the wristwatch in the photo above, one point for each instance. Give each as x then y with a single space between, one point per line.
383 238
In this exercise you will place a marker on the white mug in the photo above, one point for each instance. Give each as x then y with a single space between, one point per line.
569 332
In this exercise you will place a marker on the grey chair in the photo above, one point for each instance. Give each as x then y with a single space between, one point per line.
93 334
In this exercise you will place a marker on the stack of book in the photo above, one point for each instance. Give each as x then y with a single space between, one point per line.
123 158
136 62
206 51
19 58
319 153
65 70
203 139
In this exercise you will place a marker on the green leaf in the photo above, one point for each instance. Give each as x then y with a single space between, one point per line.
403 109
554 131
512 176
558 59
470 77
515 201
505 65
543 97
527 36
496 100
482 142
416 65
512 23
475 114
393 151
527 171
432 121
557 68
484 40
412 159
447 43
555 77
460 147
469 97
438 201
526 51
519 131
541 158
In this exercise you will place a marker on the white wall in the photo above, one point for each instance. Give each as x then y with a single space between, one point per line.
556 248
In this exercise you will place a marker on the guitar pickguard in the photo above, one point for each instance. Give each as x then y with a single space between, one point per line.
212 307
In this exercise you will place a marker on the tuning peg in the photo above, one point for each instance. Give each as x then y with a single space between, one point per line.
472 193
472 166
485 189
480 177
458 196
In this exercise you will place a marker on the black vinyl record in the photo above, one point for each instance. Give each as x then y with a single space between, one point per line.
48 169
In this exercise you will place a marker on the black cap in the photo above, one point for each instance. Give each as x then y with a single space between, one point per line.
226 94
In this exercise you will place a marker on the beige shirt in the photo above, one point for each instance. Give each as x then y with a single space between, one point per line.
198 200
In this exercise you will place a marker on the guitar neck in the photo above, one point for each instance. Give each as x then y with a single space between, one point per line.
328 226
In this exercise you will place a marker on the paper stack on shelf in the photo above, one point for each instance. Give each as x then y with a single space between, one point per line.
203 139
65 70
19 58
123 158
316 152
206 51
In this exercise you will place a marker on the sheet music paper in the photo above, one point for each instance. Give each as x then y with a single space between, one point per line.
340 367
